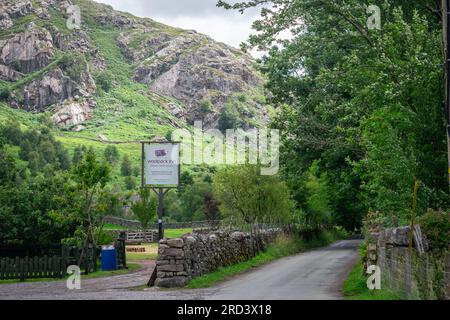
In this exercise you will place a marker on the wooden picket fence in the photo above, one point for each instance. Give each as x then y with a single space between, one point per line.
55 265
32 268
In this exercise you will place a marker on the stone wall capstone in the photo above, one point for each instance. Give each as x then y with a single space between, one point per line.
180 260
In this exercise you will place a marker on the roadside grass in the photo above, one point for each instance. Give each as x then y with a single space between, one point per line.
282 247
355 287
99 274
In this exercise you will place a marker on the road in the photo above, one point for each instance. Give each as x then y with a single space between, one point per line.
313 275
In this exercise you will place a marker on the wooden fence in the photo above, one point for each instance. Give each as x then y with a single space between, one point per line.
32 268
55 266
141 237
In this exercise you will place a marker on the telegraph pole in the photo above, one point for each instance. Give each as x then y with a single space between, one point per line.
446 36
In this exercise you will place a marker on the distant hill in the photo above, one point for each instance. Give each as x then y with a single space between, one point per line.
119 77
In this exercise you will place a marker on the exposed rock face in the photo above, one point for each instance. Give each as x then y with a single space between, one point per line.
28 51
190 67
73 113
5 21
17 9
54 87
184 65
8 74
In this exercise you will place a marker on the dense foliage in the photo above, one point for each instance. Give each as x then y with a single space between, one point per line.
43 198
247 196
363 106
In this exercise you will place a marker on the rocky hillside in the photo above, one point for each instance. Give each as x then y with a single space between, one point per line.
120 75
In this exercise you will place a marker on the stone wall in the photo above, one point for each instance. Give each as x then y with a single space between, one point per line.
180 260
417 276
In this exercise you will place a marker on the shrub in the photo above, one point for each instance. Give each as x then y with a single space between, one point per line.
5 93
436 228
205 107
111 155
229 118
130 183
105 80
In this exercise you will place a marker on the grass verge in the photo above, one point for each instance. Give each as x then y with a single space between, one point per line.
282 247
355 287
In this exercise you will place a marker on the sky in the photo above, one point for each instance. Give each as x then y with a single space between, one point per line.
204 16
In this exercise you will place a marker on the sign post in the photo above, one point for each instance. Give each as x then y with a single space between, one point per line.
160 172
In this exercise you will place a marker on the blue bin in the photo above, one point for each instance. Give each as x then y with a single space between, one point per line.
109 258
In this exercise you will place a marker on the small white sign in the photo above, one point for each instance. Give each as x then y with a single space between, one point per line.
162 164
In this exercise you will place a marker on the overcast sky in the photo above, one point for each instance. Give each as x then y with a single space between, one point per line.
226 26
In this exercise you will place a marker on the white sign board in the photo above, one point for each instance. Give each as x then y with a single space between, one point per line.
162 164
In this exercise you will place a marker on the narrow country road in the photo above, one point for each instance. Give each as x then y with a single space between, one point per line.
313 275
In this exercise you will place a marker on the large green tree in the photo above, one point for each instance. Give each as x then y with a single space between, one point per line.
363 104
248 196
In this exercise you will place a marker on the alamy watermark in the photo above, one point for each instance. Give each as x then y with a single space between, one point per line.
374 280
235 147
74 19
374 20
74 280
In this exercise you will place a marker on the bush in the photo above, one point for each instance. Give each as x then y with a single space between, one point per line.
205 107
229 118
105 80
436 228
74 65
130 183
5 93
111 155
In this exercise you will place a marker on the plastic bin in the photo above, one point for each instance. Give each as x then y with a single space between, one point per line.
109 258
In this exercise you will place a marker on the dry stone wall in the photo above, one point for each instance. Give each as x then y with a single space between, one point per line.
417 276
180 260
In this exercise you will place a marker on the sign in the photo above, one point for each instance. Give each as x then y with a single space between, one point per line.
162 164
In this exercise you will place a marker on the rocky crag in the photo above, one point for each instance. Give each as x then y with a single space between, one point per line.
47 67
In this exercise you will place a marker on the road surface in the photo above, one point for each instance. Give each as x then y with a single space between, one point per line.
314 275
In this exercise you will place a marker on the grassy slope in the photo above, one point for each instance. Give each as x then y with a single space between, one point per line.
355 288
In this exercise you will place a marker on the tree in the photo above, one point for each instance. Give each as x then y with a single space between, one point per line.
130 182
192 200
186 178
145 208
91 177
211 207
318 211
229 118
126 168
363 103
78 154
248 196
111 155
